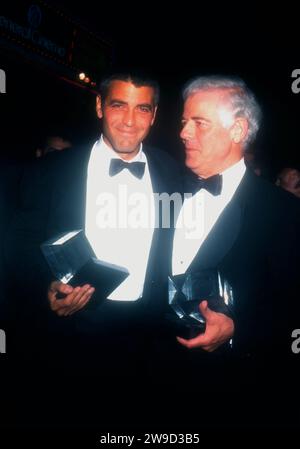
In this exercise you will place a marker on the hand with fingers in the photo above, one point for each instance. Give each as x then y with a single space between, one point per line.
75 297
219 329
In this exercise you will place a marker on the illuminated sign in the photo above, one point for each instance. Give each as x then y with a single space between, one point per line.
29 32
40 29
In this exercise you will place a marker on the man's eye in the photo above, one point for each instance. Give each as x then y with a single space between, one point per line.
116 105
145 109
201 124
183 123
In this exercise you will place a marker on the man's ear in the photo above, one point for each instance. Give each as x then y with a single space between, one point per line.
154 115
99 107
239 130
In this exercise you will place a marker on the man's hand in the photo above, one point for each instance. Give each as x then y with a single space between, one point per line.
76 298
219 329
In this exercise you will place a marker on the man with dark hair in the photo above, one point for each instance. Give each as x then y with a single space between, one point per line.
127 107
138 79
69 191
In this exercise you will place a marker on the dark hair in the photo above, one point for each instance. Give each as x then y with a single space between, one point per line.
137 79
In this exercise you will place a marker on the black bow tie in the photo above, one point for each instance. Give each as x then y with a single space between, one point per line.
136 168
213 184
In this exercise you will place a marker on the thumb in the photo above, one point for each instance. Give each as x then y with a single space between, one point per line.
204 309
58 286
65 288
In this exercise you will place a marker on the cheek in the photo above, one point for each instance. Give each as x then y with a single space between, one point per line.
107 123
218 144
145 123
204 141
144 119
223 146
113 118
205 144
142 128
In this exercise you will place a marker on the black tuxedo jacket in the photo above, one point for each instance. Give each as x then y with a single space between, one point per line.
53 201
255 245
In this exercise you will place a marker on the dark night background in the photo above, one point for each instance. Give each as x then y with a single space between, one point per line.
173 43
172 46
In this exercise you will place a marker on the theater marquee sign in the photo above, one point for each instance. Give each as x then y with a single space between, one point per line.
42 33
28 27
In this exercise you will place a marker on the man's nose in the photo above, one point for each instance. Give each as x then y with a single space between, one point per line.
128 117
187 131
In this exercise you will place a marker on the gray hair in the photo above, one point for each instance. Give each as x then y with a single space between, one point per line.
242 100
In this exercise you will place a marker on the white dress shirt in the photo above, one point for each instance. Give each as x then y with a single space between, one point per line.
198 215
120 218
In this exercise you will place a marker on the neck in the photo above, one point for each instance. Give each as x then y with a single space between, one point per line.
125 155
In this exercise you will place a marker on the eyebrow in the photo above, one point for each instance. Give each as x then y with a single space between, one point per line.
197 117
147 105
115 100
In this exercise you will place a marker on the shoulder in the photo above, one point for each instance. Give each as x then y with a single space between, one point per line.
59 163
267 197
162 159
70 156
165 167
40 175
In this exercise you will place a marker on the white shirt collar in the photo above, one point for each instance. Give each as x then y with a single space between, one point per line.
232 176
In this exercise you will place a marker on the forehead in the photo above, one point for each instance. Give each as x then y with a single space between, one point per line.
206 102
129 93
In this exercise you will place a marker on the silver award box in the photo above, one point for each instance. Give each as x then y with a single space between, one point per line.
187 290
73 261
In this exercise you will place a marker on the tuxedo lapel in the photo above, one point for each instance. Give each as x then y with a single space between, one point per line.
221 238
156 171
225 232
164 180
158 187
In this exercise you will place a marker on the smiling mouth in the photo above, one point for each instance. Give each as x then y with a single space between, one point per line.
126 133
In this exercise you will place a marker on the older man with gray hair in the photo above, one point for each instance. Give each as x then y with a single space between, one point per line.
249 228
